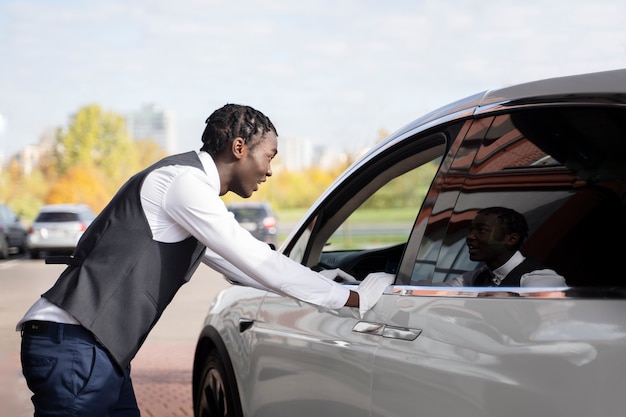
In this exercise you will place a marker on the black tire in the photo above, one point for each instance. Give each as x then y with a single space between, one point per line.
4 249
22 247
216 392
34 254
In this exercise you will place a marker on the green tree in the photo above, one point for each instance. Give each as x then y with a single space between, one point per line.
97 137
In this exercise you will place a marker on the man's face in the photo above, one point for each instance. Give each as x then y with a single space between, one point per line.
487 240
254 166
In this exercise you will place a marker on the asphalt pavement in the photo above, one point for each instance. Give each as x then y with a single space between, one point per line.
161 371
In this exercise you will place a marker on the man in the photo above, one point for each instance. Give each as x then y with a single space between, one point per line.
79 338
495 237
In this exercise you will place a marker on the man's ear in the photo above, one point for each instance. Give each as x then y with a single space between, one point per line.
239 148
511 239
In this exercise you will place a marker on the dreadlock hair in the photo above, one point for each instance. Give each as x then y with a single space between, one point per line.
233 121
511 220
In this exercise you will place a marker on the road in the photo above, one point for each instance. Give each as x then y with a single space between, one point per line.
161 370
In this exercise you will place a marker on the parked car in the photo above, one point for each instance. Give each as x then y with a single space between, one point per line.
258 218
57 228
555 151
12 232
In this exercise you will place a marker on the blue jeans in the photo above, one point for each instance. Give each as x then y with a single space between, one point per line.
70 374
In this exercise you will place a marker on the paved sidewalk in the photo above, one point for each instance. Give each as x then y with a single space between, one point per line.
162 380
161 371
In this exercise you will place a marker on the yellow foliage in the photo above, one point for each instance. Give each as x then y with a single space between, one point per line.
83 183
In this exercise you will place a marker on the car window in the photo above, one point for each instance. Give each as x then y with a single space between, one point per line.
57 217
385 218
561 168
364 226
249 213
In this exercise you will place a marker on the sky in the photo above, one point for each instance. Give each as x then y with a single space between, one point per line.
333 72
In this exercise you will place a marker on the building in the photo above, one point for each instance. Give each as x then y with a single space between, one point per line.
153 122
298 154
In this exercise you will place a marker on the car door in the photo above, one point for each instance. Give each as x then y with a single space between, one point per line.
308 361
514 351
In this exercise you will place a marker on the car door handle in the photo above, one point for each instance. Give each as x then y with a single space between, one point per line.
387 331
245 324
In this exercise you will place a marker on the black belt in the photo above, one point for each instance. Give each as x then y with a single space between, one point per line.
56 330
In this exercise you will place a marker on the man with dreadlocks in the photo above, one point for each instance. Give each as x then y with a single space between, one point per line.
80 336
494 239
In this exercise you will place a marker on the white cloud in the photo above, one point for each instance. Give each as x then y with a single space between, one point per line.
321 69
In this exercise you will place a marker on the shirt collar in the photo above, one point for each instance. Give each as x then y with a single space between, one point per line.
210 168
509 265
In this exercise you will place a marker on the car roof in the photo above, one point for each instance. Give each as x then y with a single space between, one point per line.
602 87
65 207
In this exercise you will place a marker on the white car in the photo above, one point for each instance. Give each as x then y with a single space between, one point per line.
553 150
57 228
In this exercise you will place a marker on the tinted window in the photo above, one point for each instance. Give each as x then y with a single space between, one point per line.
57 217
561 168
248 213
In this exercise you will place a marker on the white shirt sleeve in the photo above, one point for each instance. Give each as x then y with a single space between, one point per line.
194 204
542 278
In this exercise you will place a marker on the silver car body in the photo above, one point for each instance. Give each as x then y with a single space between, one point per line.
430 350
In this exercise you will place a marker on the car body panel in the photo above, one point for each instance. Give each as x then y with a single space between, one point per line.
487 354
13 233
289 329
552 149
58 227
258 218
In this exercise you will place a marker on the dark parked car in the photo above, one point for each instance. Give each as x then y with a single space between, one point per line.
12 232
553 150
258 218
57 228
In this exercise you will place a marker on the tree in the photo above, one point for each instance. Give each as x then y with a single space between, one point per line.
83 183
99 138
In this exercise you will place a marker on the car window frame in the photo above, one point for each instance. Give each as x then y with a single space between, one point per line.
408 152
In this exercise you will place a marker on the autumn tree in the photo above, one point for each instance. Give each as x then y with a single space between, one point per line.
94 155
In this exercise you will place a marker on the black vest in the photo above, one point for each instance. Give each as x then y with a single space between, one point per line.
513 278
119 279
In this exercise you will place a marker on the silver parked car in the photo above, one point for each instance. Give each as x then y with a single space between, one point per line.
258 218
57 228
12 232
553 150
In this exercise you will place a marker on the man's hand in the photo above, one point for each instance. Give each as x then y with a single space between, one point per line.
338 275
371 289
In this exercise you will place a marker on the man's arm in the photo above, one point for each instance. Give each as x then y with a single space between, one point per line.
542 278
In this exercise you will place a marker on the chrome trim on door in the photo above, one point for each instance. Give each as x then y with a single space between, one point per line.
390 332
403 333
375 329
507 292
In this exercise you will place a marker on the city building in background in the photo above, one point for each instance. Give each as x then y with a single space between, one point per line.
155 123
298 154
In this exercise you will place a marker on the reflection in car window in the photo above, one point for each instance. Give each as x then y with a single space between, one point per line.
560 168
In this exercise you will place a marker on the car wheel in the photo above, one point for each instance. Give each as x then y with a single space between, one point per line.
216 394
4 249
34 254
22 247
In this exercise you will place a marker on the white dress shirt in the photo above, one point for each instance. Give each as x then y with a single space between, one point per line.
537 278
181 201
